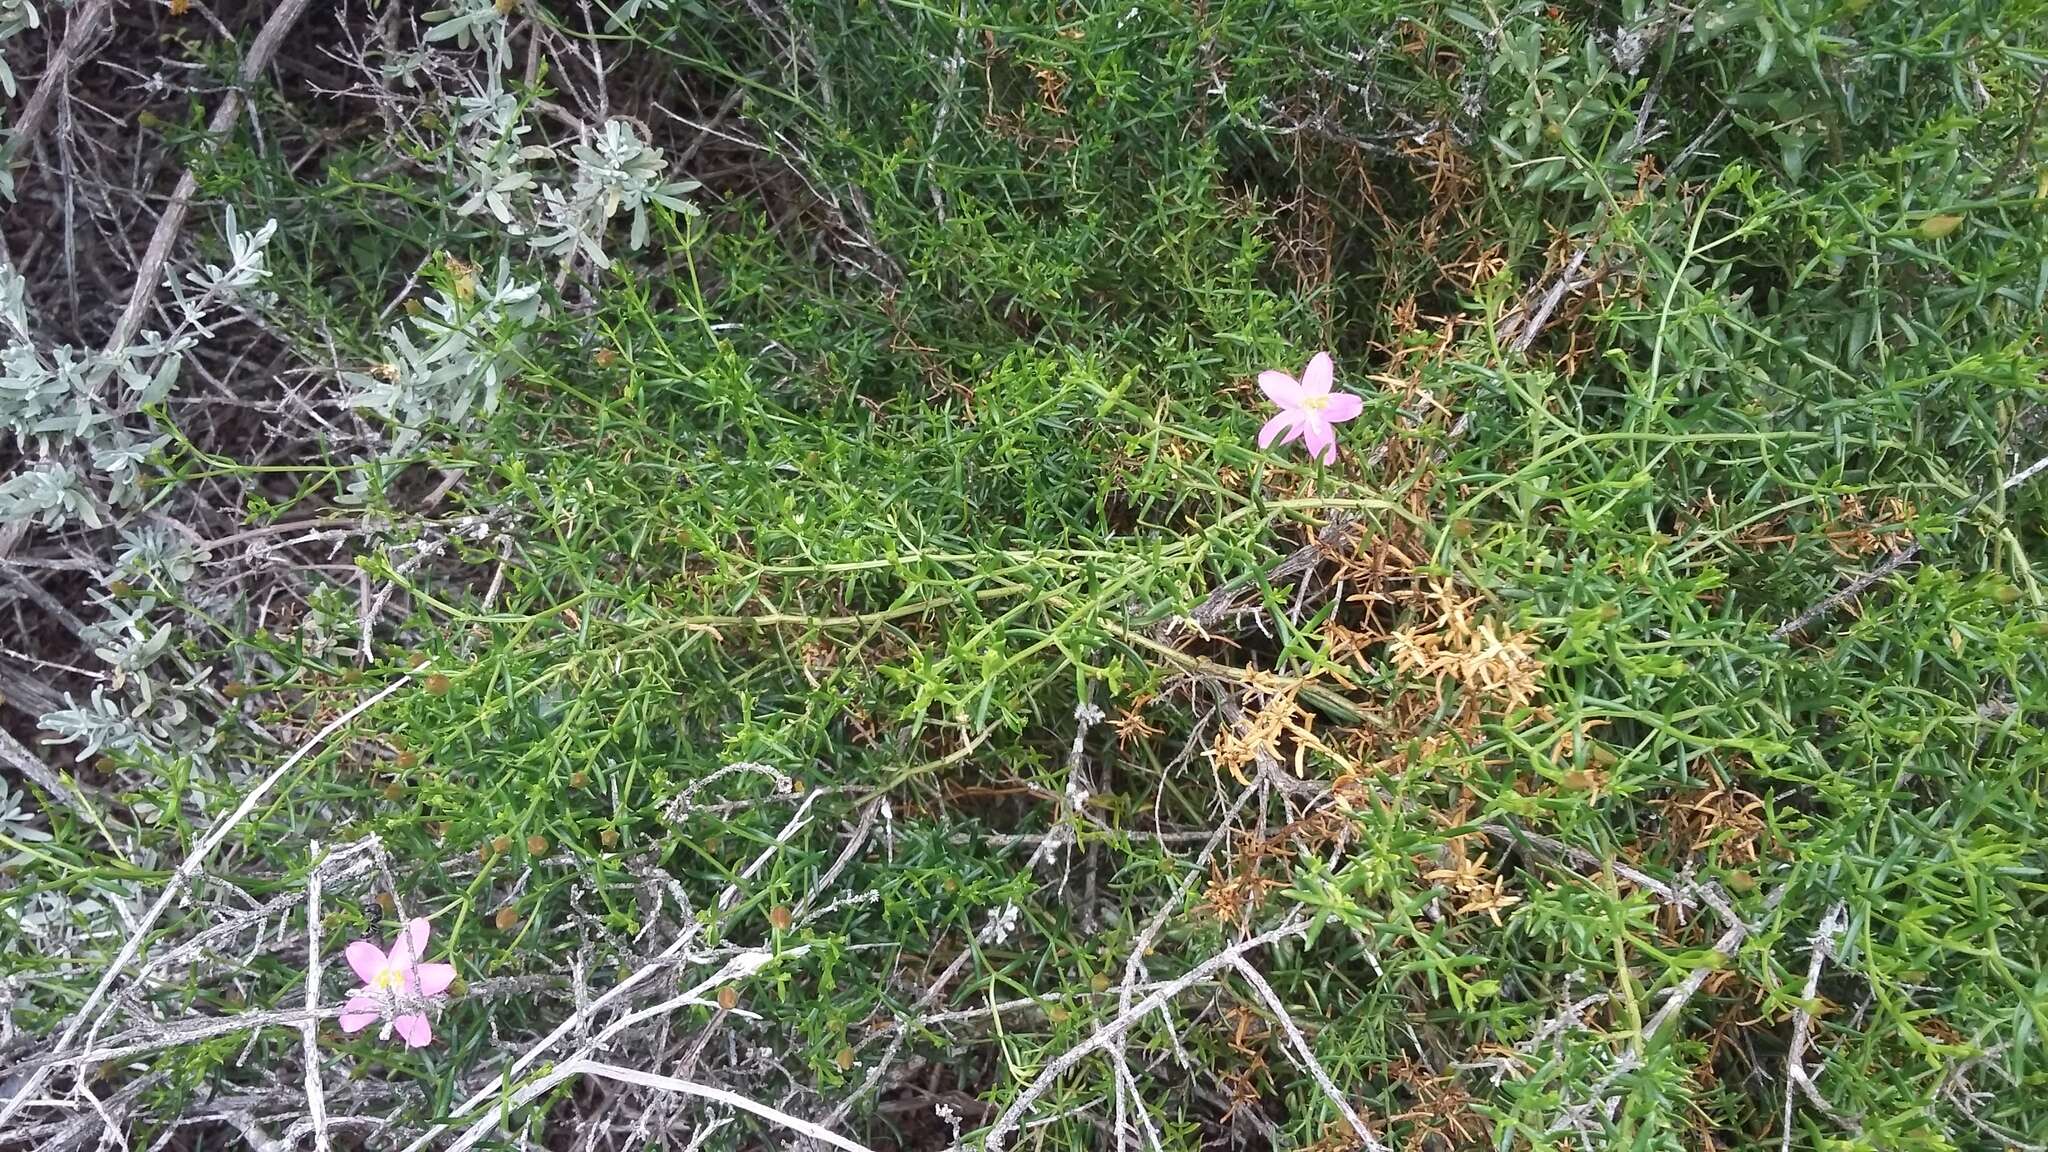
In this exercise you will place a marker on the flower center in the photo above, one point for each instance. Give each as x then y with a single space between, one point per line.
388 980
1315 403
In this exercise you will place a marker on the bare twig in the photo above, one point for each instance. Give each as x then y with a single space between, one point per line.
1109 1033
854 844
316 1098
1955 1088
1566 281
1040 1002
678 952
1675 1001
737 967
1856 587
904 1028
1127 1089
947 96
1532 321
570 1069
84 24
1134 964
1306 1054
1798 1082
161 1037
1224 600
1509 837
43 776
172 221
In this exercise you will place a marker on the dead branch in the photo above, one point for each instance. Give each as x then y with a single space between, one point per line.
316 1097
1305 1053
85 23
1109 1033
172 221
1798 1082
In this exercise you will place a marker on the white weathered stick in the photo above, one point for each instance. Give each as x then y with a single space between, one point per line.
316 1098
1306 1053
176 885
1681 995
46 778
1108 1033
1516 837
570 1069
174 1034
1040 1003
1134 964
738 966
1797 1081
1567 280
904 1027
1127 1089
84 24
574 1021
854 843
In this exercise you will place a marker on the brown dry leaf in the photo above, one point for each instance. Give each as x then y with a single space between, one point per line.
1590 781
1233 751
1349 644
1232 897
1478 264
1483 656
818 656
1130 723
1337 1138
1491 900
1568 740
1444 1112
1852 531
1258 734
1467 879
1717 815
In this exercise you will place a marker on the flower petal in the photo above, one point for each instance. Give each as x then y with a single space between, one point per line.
411 943
1320 439
359 1013
1280 388
1288 421
1320 373
367 959
1342 406
434 979
414 1028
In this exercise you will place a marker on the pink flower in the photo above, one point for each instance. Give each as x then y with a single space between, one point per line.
1308 409
397 987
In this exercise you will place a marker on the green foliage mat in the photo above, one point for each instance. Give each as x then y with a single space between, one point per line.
933 433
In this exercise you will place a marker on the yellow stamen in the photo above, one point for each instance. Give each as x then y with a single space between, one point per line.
1316 403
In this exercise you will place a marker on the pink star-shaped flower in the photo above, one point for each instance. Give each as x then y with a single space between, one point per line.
1309 411
397 987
